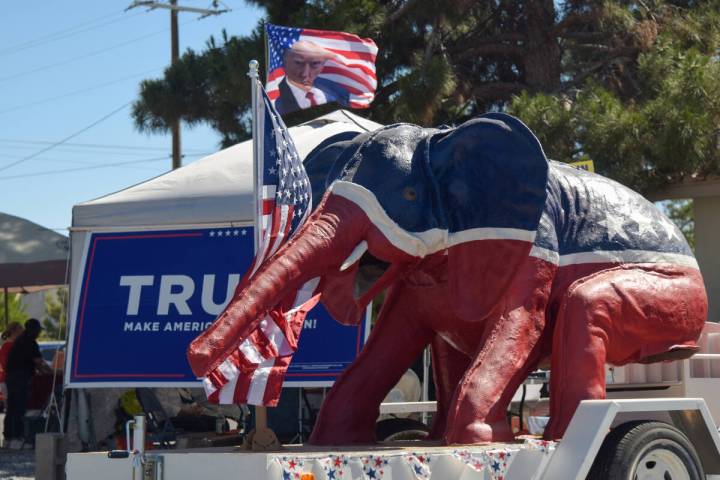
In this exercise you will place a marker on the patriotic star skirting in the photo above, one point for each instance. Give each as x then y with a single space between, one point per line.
467 462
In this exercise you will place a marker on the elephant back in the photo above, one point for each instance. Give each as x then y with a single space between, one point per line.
597 219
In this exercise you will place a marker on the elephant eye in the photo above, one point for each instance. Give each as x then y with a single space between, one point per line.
409 194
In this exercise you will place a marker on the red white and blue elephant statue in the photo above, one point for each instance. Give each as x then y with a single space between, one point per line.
491 254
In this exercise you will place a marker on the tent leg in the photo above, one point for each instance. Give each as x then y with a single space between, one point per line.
7 314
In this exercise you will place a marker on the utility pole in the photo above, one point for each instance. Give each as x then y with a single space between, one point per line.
175 53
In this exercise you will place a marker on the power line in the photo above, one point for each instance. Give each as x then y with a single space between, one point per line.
77 169
86 163
50 147
76 92
84 145
96 154
73 160
59 32
94 167
67 33
174 9
93 154
81 57
172 6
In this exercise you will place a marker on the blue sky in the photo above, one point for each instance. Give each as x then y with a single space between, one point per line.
65 66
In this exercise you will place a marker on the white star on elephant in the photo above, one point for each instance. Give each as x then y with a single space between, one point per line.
643 222
670 229
614 227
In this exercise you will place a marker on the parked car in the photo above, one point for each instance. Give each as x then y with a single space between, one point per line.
42 384
53 349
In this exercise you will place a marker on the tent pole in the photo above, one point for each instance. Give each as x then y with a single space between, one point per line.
7 314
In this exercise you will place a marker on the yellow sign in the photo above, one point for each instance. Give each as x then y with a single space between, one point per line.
586 165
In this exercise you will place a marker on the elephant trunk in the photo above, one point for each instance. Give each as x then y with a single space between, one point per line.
320 247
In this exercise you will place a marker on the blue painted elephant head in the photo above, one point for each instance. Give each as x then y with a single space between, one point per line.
473 194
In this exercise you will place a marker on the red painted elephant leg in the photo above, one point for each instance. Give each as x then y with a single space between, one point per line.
448 365
622 315
510 349
350 410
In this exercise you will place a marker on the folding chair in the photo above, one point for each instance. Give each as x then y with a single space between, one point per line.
159 426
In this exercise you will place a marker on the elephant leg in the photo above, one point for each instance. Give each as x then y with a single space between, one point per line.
350 410
510 350
448 366
621 315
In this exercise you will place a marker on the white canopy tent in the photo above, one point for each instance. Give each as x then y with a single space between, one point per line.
213 191
32 257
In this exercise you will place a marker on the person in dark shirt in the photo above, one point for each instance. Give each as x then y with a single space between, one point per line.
24 359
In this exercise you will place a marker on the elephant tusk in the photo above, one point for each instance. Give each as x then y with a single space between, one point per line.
354 256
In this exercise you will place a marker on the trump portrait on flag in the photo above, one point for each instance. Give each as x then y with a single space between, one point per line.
313 67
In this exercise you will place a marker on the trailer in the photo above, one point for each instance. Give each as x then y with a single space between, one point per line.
658 422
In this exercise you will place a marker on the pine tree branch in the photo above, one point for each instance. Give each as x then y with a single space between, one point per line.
583 36
502 49
596 47
626 53
498 90
572 20
500 38
400 12
383 93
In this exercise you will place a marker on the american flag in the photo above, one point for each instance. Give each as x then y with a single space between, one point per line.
284 196
352 69
254 372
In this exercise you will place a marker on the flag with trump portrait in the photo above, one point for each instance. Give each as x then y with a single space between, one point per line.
254 372
308 67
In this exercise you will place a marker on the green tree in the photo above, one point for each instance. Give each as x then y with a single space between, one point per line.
439 62
55 320
681 212
632 85
655 121
14 307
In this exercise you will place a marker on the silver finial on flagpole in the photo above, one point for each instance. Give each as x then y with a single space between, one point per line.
253 65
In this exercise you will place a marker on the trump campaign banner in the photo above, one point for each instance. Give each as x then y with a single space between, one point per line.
145 295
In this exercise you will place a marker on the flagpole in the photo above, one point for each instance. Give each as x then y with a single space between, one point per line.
261 438
253 74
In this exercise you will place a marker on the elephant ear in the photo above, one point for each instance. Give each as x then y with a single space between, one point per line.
490 176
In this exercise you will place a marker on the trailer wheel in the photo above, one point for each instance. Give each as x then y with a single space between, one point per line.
646 451
396 429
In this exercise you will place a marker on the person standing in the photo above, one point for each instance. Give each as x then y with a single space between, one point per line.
24 359
12 331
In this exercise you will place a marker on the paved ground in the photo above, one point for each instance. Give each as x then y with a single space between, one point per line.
16 464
